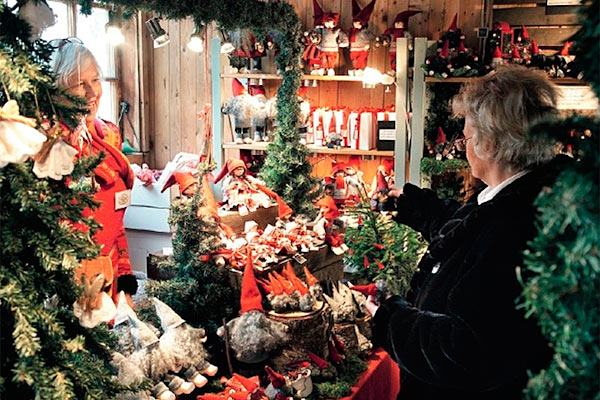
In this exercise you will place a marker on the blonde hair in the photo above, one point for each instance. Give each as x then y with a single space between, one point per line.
503 105
69 58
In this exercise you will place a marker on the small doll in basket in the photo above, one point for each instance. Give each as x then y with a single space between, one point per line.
241 190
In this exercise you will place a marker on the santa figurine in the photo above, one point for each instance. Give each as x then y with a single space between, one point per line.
359 37
326 225
338 173
241 107
332 38
399 30
383 181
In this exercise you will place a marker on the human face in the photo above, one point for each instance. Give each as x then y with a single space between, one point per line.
86 83
478 165
238 172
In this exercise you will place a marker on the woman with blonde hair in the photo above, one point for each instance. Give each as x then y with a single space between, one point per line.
78 72
458 334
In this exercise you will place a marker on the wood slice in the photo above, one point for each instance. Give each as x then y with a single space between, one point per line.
307 331
345 332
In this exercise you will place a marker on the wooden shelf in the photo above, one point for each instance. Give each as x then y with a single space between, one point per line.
557 81
345 78
262 146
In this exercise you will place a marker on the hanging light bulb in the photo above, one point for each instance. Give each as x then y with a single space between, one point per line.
157 33
371 77
227 47
113 29
196 43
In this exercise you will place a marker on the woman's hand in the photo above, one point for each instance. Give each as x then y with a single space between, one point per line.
395 192
372 306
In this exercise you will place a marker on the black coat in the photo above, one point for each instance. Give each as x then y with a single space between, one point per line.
458 334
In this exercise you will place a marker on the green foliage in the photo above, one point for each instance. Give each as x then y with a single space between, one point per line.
562 263
444 178
46 354
200 290
431 166
348 373
379 239
286 170
440 115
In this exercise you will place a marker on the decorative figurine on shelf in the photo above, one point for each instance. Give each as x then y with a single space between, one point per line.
501 36
464 63
439 64
515 55
278 388
359 37
245 192
398 30
243 47
240 190
453 35
333 139
241 107
259 114
523 42
340 192
304 117
325 225
332 38
497 58
355 185
186 181
252 335
259 51
383 181
311 57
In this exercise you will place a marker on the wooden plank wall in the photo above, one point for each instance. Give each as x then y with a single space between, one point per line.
549 26
175 88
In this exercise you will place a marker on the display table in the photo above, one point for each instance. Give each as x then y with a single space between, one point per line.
381 380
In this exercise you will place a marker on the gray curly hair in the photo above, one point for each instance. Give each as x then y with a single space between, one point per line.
502 106
70 56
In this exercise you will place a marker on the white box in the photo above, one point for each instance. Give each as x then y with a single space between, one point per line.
150 196
365 139
142 243
147 219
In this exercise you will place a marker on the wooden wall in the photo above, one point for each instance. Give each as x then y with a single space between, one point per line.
174 91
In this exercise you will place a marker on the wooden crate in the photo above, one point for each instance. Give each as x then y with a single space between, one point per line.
263 216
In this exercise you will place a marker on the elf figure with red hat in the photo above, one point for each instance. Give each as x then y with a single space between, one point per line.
398 30
240 190
325 225
355 185
252 335
383 181
332 38
338 174
360 38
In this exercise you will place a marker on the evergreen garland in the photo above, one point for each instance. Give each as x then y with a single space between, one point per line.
440 115
563 260
382 249
46 353
199 291
286 170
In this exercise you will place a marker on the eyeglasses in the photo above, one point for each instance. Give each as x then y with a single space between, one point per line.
461 144
60 43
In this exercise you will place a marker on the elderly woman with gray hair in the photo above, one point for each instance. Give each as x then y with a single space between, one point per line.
78 73
458 334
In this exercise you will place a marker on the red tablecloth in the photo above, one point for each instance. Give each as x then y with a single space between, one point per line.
381 380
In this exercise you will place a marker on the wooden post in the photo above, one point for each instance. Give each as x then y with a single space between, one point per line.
217 117
401 111
418 115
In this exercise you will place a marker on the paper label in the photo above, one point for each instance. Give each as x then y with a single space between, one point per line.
122 199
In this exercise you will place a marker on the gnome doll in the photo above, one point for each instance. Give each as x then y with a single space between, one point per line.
277 389
259 115
338 173
359 37
241 107
186 344
186 181
278 298
439 64
252 335
497 58
332 37
398 30
306 300
293 296
384 179
311 57
355 185
325 225
313 284
122 327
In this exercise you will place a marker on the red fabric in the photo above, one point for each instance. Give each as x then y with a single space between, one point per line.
367 290
250 298
277 380
330 210
329 59
381 380
359 59
284 210
310 278
113 175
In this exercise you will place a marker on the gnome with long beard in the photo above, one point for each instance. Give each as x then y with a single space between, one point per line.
253 336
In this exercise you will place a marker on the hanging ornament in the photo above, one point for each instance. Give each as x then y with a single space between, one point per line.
38 15
18 138
55 159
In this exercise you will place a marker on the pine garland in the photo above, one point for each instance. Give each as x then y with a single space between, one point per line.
562 263
46 353
286 170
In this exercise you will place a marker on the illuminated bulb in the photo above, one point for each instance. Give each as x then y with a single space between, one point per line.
196 44
114 35
227 48
371 77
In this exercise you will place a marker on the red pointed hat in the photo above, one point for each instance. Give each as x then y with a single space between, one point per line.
238 87
497 53
239 396
461 47
533 47
524 33
565 49
388 165
275 285
229 166
367 290
298 284
318 13
210 396
310 278
184 179
354 161
381 182
362 15
453 25
250 298
332 211
404 16
318 361
515 52
248 383
330 16
441 136
337 167
277 380
333 353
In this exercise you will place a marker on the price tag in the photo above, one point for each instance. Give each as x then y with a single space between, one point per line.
299 258
122 199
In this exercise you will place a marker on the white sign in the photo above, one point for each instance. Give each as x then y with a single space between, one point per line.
576 98
387 134
563 2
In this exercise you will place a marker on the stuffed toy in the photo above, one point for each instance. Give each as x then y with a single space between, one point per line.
398 30
260 113
332 38
311 57
355 185
241 107
359 37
